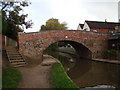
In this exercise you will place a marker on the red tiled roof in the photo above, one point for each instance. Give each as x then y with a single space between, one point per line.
102 25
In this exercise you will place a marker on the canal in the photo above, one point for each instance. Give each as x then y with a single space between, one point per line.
89 73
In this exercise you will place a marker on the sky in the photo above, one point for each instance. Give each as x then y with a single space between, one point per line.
72 12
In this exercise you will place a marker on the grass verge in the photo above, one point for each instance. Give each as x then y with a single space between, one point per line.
60 79
10 78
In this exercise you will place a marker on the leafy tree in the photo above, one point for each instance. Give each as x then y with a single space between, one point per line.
12 18
53 24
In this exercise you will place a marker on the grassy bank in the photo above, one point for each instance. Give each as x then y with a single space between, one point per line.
60 79
10 78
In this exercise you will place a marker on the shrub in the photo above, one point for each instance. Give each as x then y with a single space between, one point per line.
110 53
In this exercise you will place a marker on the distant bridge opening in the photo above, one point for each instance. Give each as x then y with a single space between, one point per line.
81 50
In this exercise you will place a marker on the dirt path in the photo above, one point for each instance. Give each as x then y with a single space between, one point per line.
37 76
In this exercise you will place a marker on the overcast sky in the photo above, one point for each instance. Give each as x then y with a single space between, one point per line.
72 12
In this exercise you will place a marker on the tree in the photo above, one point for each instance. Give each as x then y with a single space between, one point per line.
53 24
12 18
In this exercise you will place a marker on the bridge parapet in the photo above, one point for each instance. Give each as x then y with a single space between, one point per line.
63 33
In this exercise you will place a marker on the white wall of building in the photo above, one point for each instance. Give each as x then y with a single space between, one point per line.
86 27
79 27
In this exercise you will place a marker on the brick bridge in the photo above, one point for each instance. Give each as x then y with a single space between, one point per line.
87 44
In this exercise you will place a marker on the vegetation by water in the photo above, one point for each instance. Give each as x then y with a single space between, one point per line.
53 50
60 79
11 78
110 53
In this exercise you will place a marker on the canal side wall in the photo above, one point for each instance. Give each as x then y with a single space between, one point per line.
34 44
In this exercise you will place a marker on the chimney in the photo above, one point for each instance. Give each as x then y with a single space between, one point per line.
105 20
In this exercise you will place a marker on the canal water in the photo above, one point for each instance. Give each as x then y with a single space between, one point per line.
89 73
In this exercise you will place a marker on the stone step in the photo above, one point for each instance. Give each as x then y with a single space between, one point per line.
13 54
16 63
11 49
15 58
19 65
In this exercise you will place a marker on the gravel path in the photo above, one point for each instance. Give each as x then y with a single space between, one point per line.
37 76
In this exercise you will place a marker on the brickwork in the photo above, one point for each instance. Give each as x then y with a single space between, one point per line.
103 30
34 44
2 41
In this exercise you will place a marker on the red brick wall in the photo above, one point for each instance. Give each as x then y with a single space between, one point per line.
102 30
33 44
2 41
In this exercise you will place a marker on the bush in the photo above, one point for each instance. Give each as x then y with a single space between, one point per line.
10 78
110 53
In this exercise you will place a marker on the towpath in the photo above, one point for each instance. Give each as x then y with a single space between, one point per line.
37 76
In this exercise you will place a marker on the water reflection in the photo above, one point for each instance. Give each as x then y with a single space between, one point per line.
67 60
88 73
97 73
80 68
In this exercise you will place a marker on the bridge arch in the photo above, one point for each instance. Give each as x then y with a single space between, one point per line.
81 50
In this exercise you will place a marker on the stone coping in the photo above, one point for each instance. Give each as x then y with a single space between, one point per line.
108 61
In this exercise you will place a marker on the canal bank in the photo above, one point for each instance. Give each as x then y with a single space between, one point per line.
108 61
